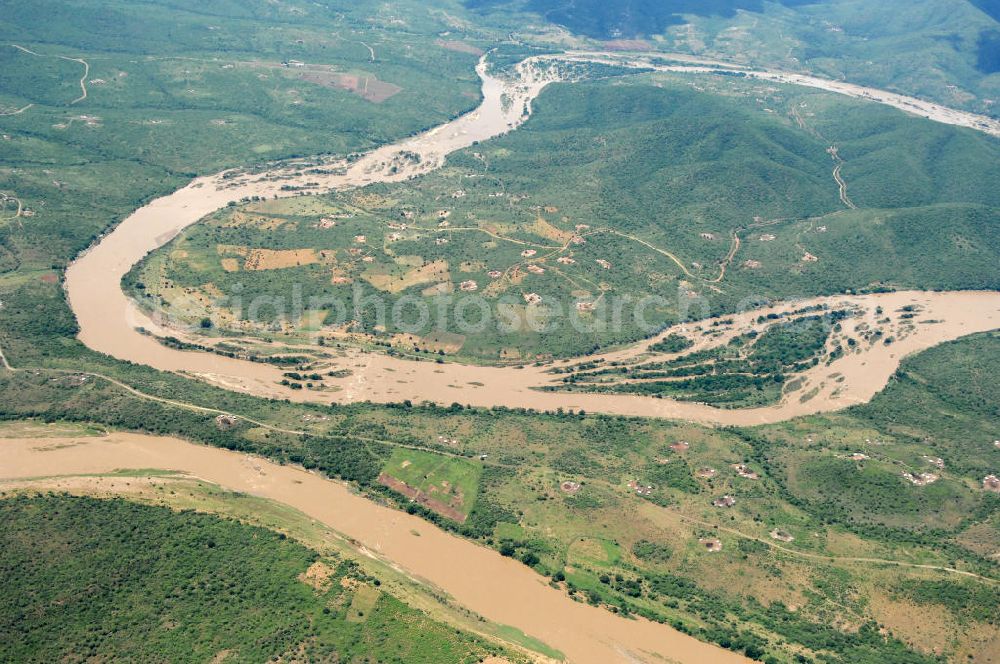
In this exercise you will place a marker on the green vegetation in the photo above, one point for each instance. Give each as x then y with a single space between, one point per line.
221 87
584 541
898 45
937 417
875 492
943 50
663 164
750 369
108 579
449 485
966 600
617 196
934 409
676 474
651 551
674 343
951 394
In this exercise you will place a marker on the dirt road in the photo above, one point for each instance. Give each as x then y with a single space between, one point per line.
109 320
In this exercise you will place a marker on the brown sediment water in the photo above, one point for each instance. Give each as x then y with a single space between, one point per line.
109 320
499 589
692 64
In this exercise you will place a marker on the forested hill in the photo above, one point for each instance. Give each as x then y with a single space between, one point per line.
947 51
631 18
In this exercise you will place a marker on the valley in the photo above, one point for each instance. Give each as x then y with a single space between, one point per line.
111 323
467 331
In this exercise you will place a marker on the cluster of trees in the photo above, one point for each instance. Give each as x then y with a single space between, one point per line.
82 578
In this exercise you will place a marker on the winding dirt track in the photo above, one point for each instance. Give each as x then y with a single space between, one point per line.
17 112
83 79
839 559
500 589
841 183
6 198
109 320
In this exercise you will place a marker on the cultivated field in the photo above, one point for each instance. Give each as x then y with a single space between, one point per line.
614 192
858 527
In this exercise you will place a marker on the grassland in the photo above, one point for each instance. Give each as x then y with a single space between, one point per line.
923 218
944 50
110 579
638 189
219 89
445 485
571 496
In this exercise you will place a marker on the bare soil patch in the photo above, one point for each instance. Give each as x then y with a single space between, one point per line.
263 222
364 600
458 46
317 576
366 86
443 288
421 498
449 342
279 259
472 266
434 272
543 228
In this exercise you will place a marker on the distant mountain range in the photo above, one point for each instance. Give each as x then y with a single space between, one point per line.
608 19
921 46
991 7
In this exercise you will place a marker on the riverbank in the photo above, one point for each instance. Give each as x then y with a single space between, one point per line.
500 589
110 322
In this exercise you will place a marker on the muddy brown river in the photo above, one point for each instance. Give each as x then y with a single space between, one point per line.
109 319
499 589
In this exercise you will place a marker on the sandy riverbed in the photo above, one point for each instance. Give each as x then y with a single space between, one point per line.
689 64
109 320
498 588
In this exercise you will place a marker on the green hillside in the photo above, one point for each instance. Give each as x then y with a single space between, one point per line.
85 579
633 188
604 542
943 50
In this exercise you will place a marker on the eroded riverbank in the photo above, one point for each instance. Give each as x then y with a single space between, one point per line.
500 589
109 321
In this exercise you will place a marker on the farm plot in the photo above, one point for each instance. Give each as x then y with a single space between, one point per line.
445 485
